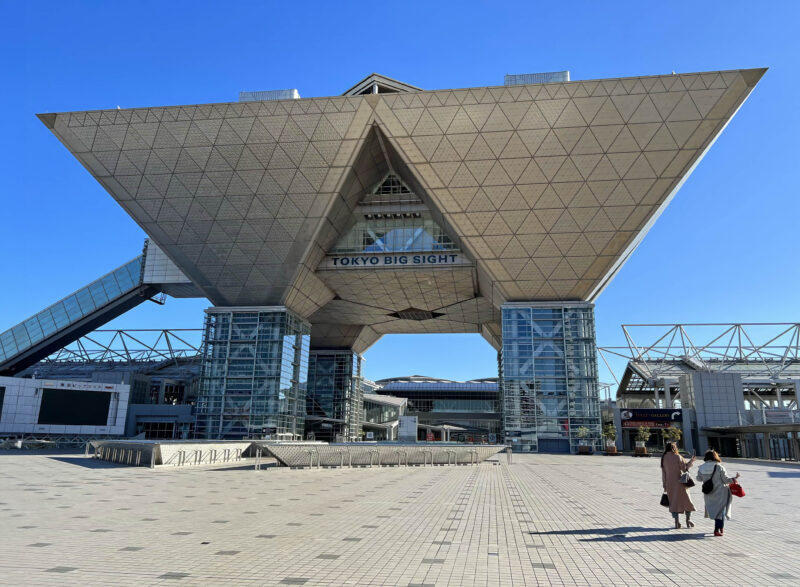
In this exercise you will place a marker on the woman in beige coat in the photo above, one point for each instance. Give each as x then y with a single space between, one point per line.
673 465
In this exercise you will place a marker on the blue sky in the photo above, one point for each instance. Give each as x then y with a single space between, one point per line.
725 250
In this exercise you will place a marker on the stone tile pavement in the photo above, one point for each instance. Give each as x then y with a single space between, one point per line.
544 520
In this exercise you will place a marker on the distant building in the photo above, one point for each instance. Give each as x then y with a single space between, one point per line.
471 410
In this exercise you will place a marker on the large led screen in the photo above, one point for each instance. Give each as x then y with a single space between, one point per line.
74 407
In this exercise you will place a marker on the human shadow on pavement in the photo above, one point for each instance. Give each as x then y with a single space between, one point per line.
610 531
666 534
666 537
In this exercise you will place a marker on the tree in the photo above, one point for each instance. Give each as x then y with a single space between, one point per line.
643 434
610 432
671 434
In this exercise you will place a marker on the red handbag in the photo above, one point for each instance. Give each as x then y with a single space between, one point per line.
736 489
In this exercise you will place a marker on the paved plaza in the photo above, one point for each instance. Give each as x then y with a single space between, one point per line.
544 520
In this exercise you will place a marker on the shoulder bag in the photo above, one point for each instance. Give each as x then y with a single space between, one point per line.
687 480
708 485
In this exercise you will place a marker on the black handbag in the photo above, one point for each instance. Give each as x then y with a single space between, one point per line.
665 499
708 485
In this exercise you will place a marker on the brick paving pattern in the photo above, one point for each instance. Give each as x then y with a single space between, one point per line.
545 520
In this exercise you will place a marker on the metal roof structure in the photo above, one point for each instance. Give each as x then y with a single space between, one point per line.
543 191
764 354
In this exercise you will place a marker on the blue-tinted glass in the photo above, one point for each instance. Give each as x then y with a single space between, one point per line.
47 323
34 329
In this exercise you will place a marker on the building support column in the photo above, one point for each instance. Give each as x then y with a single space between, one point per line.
335 394
254 367
548 375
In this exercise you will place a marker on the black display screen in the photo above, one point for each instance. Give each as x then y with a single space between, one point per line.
74 407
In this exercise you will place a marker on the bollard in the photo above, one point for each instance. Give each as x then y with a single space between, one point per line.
508 454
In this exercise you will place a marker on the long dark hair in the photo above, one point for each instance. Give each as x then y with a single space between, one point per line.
669 447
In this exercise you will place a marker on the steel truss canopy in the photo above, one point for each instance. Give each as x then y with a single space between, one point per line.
764 354
543 189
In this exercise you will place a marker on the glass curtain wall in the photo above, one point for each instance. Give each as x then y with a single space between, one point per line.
254 374
548 370
334 402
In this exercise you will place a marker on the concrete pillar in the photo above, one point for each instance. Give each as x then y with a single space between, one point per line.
767 449
618 427
686 425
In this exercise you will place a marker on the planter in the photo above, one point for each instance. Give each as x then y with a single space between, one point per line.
584 449
611 448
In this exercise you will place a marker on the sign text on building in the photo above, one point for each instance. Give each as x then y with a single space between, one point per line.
392 260
650 418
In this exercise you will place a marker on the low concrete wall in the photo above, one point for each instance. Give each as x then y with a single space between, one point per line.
173 453
298 454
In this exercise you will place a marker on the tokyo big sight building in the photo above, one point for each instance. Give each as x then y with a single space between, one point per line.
315 226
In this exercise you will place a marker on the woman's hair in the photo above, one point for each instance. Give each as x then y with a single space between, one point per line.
711 455
669 447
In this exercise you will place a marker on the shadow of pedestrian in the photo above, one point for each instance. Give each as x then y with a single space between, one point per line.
623 534
667 537
607 531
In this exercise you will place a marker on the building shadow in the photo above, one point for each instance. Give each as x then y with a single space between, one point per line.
89 463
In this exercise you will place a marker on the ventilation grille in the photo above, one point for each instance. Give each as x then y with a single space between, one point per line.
416 314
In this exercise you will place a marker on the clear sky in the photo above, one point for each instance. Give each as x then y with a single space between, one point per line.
726 249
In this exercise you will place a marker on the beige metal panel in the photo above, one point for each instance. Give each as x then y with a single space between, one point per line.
547 188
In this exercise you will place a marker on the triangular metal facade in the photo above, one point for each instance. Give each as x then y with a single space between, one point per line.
547 188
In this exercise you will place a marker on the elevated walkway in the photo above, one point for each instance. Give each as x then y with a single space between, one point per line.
77 314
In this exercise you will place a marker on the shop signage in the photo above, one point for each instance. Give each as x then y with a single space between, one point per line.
392 260
650 418
80 385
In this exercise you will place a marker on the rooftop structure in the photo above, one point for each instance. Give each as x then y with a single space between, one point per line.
733 385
